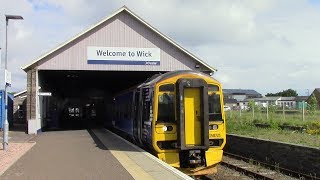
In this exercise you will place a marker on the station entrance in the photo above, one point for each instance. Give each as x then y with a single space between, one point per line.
82 99
72 86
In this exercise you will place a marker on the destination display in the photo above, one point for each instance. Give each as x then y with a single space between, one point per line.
123 55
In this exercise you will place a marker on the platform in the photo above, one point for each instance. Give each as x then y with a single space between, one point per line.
139 163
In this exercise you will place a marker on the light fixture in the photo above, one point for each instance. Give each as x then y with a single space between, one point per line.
7 84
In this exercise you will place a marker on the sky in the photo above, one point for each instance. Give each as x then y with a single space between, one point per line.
265 45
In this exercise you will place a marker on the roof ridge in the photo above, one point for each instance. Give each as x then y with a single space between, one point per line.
18 93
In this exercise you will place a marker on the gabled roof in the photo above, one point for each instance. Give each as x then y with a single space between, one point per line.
241 91
230 101
316 93
301 98
270 98
124 8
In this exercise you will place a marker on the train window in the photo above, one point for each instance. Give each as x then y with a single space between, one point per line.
212 87
20 114
214 107
74 112
71 110
147 96
166 87
146 111
166 108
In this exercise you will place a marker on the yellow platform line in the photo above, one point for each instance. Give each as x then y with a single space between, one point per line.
134 169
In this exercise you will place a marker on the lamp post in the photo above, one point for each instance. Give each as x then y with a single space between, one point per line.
6 124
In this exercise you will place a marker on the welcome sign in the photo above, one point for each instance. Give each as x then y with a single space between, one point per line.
123 55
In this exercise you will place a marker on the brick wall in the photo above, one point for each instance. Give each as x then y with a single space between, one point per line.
31 95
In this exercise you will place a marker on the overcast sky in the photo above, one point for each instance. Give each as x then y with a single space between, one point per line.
268 46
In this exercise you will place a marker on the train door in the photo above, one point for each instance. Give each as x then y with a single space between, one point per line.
193 121
137 104
192 116
145 120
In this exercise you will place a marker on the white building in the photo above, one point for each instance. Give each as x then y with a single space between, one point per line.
288 102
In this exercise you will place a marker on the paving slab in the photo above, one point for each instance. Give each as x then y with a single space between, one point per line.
12 154
19 144
139 163
67 155
17 134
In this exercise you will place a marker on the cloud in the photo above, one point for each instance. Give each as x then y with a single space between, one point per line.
267 45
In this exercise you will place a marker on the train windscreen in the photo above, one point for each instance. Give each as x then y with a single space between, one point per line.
166 99
166 107
214 103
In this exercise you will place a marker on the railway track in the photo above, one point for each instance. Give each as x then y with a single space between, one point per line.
233 168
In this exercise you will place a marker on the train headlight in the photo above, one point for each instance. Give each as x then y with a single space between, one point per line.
213 126
167 128
164 128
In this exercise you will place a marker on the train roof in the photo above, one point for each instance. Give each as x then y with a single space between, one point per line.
159 77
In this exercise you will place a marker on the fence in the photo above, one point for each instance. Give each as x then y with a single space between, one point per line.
282 114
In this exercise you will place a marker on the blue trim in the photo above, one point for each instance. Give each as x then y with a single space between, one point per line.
124 62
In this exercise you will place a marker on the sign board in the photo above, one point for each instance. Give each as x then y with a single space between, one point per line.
123 55
7 77
44 93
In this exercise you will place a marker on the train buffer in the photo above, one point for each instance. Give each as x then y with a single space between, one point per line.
139 163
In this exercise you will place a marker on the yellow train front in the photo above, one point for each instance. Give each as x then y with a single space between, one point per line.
179 116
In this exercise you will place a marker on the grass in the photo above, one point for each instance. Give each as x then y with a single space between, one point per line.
245 125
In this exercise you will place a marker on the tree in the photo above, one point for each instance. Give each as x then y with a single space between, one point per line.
289 93
252 104
272 108
284 93
270 95
312 104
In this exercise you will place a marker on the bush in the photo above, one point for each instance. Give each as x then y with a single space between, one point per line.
312 107
313 127
273 124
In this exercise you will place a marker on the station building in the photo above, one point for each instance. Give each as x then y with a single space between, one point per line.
72 85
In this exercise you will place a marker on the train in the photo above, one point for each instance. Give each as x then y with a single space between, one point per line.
178 116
